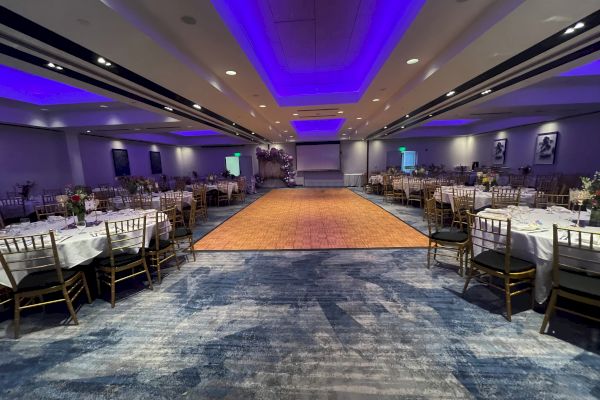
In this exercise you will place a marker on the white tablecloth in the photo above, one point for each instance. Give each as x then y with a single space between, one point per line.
75 247
536 246
231 187
353 180
376 179
484 199
187 199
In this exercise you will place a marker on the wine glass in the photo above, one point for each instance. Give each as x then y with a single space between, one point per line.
81 225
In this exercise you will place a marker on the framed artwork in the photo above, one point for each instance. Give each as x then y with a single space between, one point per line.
499 152
155 163
545 148
121 161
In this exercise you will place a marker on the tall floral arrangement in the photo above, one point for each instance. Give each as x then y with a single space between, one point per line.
592 186
135 183
281 157
75 201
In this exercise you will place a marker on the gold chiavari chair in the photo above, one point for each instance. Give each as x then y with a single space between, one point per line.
222 192
173 199
142 201
180 183
575 270
388 188
46 210
12 204
415 191
48 198
185 233
104 205
240 194
126 241
1 222
454 241
37 258
516 181
490 248
14 195
161 248
463 201
540 200
502 198
562 200
546 183
201 202
398 189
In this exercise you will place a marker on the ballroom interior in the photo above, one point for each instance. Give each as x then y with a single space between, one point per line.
300 199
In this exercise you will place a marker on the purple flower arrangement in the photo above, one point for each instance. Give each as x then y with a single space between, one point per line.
281 157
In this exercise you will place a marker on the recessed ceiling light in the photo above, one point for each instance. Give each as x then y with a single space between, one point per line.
233 124
402 127
253 133
51 65
285 131
350 128
277 122
488 91
58 67
101 60
295 114
262 106
108 64
88 131
579 25
387 107
103 106
197 106
291 135
231 72
570 30
385 127
431 115
375 99
450 93
412 61
407 115
358 117
136 129
237 134
168 108
340 112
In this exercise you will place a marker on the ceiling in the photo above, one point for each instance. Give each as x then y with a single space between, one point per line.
335 69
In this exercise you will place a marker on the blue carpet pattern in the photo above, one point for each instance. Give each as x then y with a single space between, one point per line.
348 324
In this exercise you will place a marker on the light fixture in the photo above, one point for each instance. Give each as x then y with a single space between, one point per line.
407 115
488 91
375 100
340 112
385 127
43 109
431 115
572 29
108 64
88 131
103 106
58 67
231 72
233 124
51 65
262 106
358 117
291 136
253 133
350 128
402 127
450 93
285 131
168 108
295 114
237 134
569 30
412 61
387 107
197 106
101 60
579 25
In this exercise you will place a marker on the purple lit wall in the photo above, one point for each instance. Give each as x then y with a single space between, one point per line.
33 89
318 127
318 52
589 69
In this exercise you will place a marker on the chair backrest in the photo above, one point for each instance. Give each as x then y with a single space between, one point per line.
490 233
502 198
126 236
171 199
467 202
11 202
192 216
516 181
142 201
562 200
541 200
576 250
431 189
14 195
165 226
29 254
200 196
45 210
432 215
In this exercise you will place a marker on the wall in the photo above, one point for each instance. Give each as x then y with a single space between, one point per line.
35 155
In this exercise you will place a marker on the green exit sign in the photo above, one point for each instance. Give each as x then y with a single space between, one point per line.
402 149
237 154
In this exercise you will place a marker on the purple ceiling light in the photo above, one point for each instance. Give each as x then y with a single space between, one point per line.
318 127
318 52
449 122
197 133
588 69
23 86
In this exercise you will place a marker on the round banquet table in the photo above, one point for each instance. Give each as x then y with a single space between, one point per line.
484 199
532 238
187 199
78 247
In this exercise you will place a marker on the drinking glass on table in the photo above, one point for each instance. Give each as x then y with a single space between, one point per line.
81 225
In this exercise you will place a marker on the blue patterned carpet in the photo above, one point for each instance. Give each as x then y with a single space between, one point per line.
351 324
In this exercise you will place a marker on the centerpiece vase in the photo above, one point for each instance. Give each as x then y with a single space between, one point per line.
80 216
595 217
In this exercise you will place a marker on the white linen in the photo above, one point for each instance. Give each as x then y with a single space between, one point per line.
79 247
483 199
353 180
231 187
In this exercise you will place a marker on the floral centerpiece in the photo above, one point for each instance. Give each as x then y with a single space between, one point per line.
592 187
75 202
135 183
281 157
488 180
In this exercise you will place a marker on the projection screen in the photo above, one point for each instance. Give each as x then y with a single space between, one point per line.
318 157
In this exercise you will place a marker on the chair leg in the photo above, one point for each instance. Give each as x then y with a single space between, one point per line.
469 276
550 310
508 299
70 306
147 274
176 258
86 288
17 317
192 248
429 255
112 288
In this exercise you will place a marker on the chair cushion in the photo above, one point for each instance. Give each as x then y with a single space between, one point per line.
181 232
578 282
43 279
120 260
162 244
187 207
451 236
495 260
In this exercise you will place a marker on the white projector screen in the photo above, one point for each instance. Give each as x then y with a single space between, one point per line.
318 157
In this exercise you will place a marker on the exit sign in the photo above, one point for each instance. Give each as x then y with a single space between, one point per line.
237 154
402 149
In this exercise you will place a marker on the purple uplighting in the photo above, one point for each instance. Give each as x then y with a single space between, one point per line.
196 133
449 122
321 52
589 69
23 86
313 127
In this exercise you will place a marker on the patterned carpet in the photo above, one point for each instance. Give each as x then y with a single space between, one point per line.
329 324
287 219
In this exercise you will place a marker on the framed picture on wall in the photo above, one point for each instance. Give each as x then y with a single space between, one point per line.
545 148
499 152
155 163
121 161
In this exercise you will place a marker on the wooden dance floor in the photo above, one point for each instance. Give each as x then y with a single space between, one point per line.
285 219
